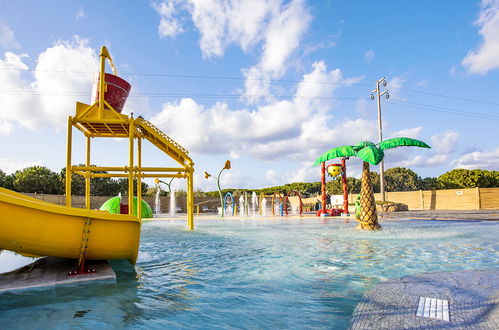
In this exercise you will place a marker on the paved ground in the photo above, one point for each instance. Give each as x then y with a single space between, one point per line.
475 215
473 300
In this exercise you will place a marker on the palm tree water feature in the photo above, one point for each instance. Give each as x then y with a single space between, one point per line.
370 153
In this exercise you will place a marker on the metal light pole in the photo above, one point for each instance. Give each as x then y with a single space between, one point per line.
381 165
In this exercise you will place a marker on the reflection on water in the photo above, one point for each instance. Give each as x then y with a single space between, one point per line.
10 261
279 273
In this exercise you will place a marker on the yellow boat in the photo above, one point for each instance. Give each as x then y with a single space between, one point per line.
34 227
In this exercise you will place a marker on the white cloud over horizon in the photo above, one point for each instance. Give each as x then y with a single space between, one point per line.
479 160
9 166
281 129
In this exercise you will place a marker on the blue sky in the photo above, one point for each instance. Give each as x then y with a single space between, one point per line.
269 85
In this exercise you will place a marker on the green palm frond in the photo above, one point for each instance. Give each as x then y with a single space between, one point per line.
343 151
370 154
401 142
363 144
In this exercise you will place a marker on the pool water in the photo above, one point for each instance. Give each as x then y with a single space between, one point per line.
255 273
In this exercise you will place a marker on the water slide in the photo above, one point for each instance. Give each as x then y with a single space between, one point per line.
32 227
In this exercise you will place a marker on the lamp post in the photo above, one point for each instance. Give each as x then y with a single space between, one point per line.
207 175
378 97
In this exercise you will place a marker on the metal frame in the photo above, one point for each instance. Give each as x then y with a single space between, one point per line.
101 120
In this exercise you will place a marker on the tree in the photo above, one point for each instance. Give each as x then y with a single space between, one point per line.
37 179
370 153
462 178
334 186
429 183
401 179
77 182
121 186
98 186
3 176
6 180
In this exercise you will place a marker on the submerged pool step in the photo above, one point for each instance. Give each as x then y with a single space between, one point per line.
433 308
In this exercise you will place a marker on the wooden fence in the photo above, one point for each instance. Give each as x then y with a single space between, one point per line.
448 199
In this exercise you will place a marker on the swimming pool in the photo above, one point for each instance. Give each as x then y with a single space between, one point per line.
255 273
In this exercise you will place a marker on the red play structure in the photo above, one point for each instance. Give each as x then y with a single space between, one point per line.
334 212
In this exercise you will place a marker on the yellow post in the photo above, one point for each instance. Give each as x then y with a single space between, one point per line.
139 178
87 177
197 210
102 80
190 197
130 170
68 160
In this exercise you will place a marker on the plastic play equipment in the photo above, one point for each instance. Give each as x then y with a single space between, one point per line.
273 203
286 201
334 170
30 226
113 205
229 200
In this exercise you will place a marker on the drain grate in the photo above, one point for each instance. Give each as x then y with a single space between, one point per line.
433 308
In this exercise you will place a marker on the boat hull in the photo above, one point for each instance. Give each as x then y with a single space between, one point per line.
30 226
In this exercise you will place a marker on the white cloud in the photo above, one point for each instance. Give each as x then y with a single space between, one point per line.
220 23
445 142
10 166
49 95
413 132
309 49
479 160
443 146
273 178
306 173
486 57
242 22
5 127
394 85
169 24
423 83
80 13
7 40
300 128
369 55
256 85
283 36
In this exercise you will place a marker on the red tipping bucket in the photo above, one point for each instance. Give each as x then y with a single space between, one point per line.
117 91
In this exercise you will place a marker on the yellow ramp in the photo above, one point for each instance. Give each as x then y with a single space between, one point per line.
30 226
163 142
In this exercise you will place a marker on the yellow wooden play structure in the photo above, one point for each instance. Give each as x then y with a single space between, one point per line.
30 226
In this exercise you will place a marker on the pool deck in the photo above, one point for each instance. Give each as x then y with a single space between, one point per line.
472 299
